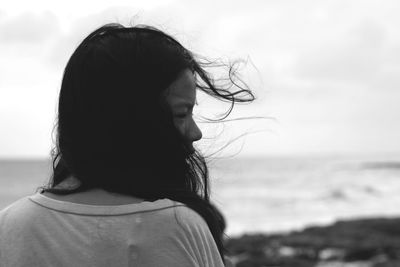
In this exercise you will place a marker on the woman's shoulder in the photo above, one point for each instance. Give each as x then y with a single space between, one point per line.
178 211
17 212
177 216
189 216
21 203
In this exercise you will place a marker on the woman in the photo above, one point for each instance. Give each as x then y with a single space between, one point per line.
128 187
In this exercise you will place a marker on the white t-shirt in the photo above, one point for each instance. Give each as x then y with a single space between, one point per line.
40 231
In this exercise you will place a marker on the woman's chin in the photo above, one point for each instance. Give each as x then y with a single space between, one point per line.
190 151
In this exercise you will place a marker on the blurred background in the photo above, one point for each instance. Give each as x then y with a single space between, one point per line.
325 73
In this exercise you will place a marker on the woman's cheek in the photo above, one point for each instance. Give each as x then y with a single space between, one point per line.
180 124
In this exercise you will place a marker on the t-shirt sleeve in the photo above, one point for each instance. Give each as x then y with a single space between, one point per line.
197 237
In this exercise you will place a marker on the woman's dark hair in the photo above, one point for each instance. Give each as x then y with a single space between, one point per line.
114 129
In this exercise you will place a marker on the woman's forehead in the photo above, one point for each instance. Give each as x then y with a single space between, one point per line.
183 88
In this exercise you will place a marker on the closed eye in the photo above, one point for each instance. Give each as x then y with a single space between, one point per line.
181 115
185 113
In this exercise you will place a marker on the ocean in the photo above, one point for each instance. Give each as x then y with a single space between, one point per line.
268 194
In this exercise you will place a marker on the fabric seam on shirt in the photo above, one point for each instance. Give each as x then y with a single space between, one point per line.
84 214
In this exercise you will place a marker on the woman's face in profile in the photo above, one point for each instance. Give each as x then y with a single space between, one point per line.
181 97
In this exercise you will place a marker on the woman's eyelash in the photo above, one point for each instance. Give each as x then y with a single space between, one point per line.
181 115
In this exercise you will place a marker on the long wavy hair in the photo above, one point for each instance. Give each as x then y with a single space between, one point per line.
114 129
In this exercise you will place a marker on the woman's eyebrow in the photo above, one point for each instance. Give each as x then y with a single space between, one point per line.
186 103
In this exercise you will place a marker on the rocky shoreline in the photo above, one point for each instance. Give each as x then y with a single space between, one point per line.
371 242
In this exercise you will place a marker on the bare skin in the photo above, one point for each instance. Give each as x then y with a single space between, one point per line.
180 97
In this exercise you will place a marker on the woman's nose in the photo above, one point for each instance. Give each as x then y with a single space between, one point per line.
196 133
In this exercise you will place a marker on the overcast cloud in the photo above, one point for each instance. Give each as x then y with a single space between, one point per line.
328 71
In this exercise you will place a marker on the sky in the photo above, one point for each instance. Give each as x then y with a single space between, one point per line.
325 73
